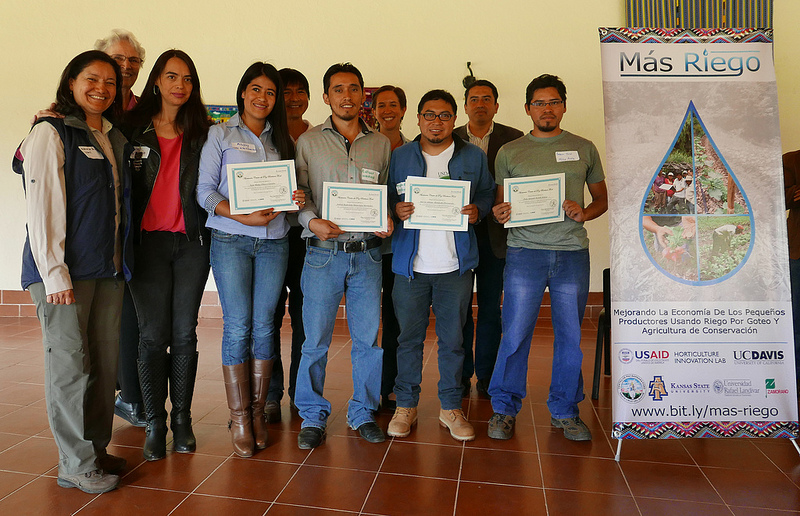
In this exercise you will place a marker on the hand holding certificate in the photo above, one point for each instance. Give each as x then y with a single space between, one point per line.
534 200
437 203
258 186
356 207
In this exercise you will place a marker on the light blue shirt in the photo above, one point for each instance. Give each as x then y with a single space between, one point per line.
230 143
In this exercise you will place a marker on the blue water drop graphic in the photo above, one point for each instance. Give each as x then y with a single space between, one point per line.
696 224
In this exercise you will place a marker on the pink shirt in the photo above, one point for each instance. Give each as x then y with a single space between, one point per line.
164 210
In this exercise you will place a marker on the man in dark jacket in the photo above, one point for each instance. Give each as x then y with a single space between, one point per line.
480 104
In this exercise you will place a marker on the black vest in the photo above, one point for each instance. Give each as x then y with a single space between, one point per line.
90 204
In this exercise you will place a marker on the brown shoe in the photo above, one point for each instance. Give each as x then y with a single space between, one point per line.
93 482
402 421
459 427
237 389
260 373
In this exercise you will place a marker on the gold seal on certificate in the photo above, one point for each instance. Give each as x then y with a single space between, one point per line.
437 203
534 199
355 207
258 186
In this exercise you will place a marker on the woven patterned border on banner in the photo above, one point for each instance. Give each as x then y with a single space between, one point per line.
653 35
673 430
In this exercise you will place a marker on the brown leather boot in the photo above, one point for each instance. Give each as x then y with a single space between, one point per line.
260 373
237 388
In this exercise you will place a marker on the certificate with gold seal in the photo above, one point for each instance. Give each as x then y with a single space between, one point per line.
356 207
534 199
258 186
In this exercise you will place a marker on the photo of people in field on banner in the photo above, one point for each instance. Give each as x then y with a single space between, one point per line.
702 338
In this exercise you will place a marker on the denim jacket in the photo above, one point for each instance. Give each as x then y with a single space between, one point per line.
467 164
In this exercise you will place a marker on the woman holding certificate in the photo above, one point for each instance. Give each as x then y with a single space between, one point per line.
167 129
248 252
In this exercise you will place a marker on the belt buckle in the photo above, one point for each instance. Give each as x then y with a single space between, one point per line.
355 247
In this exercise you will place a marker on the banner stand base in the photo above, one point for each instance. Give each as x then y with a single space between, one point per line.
619 449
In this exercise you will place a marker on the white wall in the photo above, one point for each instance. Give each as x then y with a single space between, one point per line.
416 44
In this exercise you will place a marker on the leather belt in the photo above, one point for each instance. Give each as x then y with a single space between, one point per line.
357 246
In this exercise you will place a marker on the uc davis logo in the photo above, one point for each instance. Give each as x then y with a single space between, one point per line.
657 389
631 388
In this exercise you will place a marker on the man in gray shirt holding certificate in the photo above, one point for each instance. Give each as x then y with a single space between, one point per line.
553 255
433 266
340 263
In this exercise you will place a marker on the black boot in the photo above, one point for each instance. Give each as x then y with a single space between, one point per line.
153 379
181 388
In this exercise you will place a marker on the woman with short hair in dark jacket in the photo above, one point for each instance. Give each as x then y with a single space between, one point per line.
74 261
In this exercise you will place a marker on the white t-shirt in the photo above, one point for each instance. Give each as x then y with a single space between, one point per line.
436 253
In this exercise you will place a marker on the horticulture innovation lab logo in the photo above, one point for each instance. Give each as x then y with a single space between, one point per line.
631 388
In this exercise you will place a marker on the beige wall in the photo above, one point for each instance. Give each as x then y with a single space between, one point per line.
417 44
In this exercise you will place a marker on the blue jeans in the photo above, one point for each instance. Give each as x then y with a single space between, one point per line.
488 329
249 275
449 294
327 276
794 277
294 270
528 272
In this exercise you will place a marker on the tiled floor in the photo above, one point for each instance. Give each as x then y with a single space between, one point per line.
537 472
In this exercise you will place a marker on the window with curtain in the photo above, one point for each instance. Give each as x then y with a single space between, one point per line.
700 14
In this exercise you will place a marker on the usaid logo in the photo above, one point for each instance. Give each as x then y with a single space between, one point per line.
625 355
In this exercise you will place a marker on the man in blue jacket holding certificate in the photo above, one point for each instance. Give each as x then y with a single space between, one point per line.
433 266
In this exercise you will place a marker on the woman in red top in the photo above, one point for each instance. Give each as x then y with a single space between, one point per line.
167 130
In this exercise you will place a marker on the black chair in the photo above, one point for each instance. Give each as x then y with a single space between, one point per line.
603 348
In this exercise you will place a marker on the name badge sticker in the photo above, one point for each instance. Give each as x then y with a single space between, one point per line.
369 176
90 152
140 152
401 188
244 147
571 155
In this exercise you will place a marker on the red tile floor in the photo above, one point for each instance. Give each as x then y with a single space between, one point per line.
537 472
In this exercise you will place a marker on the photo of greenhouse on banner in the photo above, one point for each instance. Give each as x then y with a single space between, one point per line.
701 323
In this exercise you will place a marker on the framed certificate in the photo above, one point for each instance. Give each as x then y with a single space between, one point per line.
355 207
437 203
258 186
534 200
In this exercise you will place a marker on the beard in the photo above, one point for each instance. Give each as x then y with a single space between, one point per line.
547 128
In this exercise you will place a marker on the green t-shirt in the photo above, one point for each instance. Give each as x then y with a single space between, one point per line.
532 156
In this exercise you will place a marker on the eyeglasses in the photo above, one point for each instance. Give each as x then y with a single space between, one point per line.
120 59
430 117
541 104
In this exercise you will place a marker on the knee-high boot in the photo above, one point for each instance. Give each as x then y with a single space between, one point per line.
181 389
237 389
153 380
260 373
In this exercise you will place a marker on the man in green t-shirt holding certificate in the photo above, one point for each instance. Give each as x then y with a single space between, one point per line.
554 255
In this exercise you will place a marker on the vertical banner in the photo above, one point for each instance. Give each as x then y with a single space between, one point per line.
702 339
